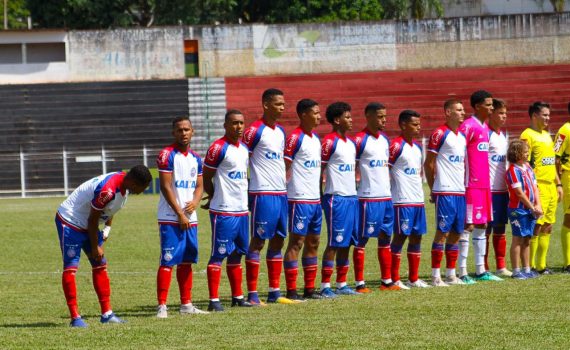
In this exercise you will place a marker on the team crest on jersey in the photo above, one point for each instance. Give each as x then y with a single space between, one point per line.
404 225
442 223
300 225
168 256
193 172
478 215
339 237
260 230
371 229
71 253
516 223
222 249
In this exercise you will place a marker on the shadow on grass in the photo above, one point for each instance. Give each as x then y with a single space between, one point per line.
31 325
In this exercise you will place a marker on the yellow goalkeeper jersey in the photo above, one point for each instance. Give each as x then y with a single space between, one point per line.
541 154
562 146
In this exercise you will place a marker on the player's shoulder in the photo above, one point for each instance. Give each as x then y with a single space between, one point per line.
164 156
195 154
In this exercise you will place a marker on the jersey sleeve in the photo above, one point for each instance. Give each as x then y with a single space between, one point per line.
360 143
104 193
251 136
215 155
467 131
561 145
292 145
200 163
513 178
164 160
327 149
395 152
436 140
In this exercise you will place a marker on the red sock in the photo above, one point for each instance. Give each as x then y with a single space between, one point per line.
163 278
341 272
214 273
436 258
102 287
309 276
414 265
451 255
184 278
252 273
487 253
385 261
235 276
396 257
358 255
500 247
70 291
291 272
274 266
327 271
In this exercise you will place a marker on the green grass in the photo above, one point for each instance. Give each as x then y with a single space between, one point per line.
33 314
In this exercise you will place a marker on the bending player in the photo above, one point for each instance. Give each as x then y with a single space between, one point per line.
408 196
339 202
498 166
445 174
265 139
225 182
303 161
374 197
78 218
181 188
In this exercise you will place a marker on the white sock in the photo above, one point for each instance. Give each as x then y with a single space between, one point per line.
480 247
480 269
108 313
238 297
359 283
463 252
527 269
325 285
435 272
388 281
449 272
215 299
273 289
517 270
340 284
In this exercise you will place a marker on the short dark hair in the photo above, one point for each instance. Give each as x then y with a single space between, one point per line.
516 149
140 175
407 115
479 96
537 107
452 101
231 112
336 110
180 119
269 93
498 103
373 107
304 105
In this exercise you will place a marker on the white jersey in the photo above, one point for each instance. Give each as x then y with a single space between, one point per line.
450 148
267 166
230 181
101 193
406 170
372 154
339 155
304 153
185 168
498 145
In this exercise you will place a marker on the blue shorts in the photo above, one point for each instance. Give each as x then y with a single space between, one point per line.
229 233
500 206
375 217
72 241
341 214
450 213
177 246
522 222
268 215
305 218
410 220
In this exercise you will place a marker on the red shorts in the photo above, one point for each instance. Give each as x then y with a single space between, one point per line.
479 206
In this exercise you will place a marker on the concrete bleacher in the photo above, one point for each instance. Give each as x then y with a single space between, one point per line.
424 91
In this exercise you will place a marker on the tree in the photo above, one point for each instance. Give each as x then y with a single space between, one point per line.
558 5
17 14
401 9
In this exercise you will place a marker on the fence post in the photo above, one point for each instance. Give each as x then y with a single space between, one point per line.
22 173
103 160
145 161
65 178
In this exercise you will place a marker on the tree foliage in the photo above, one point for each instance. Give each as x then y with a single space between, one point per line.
17 14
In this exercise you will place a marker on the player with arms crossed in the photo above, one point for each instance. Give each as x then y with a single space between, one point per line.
303 161
543 161
498 166
181 188
265 139
445 173
339 202
376 211
478 190
78 218
225 182
562 150
408 196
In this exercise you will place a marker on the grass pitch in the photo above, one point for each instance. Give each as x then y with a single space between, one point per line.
33 314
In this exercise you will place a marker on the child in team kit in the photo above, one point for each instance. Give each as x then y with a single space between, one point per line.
524 207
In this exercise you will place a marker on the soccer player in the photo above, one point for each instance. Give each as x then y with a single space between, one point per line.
408 196
303 161
265 139
93 203
339 202
524 207
445 173
500 196
542 160
181 188
374 197
478 190
562 150
225 182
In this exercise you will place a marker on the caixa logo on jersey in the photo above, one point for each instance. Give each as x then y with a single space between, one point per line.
312 164
483 146
498 158
237 175
346 168
412 171
378 163
184 184
456 159
273 156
